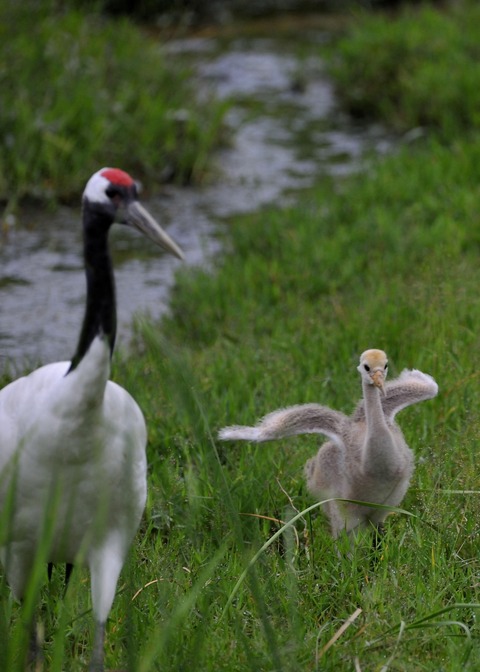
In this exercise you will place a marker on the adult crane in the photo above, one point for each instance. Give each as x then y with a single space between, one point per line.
72 443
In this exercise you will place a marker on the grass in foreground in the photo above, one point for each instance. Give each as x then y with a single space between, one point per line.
388 260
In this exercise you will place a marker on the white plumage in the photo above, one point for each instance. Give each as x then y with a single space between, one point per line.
72 443
81 461
366 458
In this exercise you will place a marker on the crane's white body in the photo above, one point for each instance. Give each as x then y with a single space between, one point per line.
367 458
72 471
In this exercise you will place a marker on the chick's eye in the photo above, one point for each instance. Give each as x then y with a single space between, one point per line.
366 367
386 367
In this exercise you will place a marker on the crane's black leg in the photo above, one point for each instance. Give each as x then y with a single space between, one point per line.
96 664
68 574
35 652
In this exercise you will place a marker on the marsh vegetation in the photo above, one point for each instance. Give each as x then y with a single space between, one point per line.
385 259
79 91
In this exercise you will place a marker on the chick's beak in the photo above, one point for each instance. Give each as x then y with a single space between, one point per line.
378 379
141 219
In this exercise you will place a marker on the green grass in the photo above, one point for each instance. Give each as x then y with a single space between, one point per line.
416 69
79 92
387 259
391 261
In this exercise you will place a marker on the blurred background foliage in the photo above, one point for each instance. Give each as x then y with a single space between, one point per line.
421 70
81 90
82 86
219 10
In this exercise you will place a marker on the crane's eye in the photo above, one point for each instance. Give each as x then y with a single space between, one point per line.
366 367
112 191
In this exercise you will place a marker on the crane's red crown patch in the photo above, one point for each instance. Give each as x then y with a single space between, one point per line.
117 176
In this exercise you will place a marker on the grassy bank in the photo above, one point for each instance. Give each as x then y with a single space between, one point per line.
80 91
387 260
416 68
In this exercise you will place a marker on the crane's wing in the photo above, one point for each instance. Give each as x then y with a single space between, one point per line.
299 419
19 401
409 388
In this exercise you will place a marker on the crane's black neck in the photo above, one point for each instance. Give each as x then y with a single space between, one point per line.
100 315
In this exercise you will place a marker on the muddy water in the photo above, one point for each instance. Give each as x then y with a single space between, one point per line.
294 135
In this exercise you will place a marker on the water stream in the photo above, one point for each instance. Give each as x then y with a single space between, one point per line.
274 154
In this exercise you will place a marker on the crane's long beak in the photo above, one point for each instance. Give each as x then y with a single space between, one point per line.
141 219
378 379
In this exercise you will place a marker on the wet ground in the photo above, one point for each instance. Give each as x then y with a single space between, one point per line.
286 132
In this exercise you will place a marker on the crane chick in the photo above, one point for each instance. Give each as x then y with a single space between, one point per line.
366 458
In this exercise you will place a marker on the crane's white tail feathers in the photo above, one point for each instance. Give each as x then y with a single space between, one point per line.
299 419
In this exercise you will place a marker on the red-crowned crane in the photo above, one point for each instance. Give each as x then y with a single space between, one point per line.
72 442
366 458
